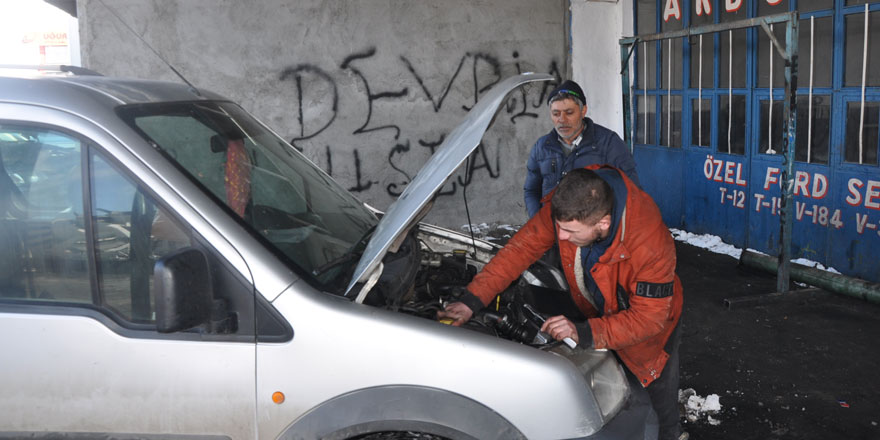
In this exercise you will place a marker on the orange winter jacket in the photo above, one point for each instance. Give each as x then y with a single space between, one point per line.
636 275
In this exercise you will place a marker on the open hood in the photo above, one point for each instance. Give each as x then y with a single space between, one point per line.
407 209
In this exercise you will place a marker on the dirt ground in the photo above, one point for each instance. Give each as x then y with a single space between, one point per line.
801 367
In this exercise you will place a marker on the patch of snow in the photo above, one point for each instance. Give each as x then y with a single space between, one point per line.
706 241
712 403
493 231
697 408
479 230
714 244
810 263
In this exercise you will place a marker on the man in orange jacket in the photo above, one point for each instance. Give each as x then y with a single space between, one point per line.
619 259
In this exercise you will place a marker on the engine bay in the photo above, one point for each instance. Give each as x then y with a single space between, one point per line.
445 268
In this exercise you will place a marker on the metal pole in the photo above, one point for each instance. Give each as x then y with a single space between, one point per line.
729 87
864 72
669 93
712 28
700 98
627 117
645 93
832 282
789 142
770 116
810 97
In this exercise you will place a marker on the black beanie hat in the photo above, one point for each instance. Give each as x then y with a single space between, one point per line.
570 88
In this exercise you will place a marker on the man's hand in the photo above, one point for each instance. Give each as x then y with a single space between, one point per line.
559 327
458 312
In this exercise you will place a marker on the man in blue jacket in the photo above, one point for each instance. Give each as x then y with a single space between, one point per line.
575 142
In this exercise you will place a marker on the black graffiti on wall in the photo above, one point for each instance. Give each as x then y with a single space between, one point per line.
397 150
489 61
520 102
316 86
314 76
371 97
436 102
359 185
478 160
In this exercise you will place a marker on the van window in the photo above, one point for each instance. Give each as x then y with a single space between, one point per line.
131 233
44 255
77 231
44 225
295 208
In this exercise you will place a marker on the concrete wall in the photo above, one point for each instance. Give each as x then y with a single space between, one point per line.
365 88
597 25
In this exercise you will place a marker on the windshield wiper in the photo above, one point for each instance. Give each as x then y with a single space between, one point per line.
352 254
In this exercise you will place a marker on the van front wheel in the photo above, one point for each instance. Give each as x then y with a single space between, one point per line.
398 435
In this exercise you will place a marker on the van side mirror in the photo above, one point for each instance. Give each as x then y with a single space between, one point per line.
183 291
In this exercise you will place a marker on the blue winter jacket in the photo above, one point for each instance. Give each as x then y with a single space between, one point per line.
547 164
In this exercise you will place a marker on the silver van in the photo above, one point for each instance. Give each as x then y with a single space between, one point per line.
171 268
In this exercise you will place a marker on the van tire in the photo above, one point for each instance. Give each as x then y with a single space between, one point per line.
399 435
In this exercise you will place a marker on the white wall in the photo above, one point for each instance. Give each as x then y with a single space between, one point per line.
596 28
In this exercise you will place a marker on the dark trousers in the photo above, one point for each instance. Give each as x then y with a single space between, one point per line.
664 390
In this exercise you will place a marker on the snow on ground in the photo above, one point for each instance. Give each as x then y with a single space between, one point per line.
811 263
490 232
696 408
714 244
706 241
479 230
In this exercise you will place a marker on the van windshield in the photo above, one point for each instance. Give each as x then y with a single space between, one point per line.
302 212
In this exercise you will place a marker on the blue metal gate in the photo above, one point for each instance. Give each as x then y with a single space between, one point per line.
834 202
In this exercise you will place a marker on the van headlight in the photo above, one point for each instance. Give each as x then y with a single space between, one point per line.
603 373
609 386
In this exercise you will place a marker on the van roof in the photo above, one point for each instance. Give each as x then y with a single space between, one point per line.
82 94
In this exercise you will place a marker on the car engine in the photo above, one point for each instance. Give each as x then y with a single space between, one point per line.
446 266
